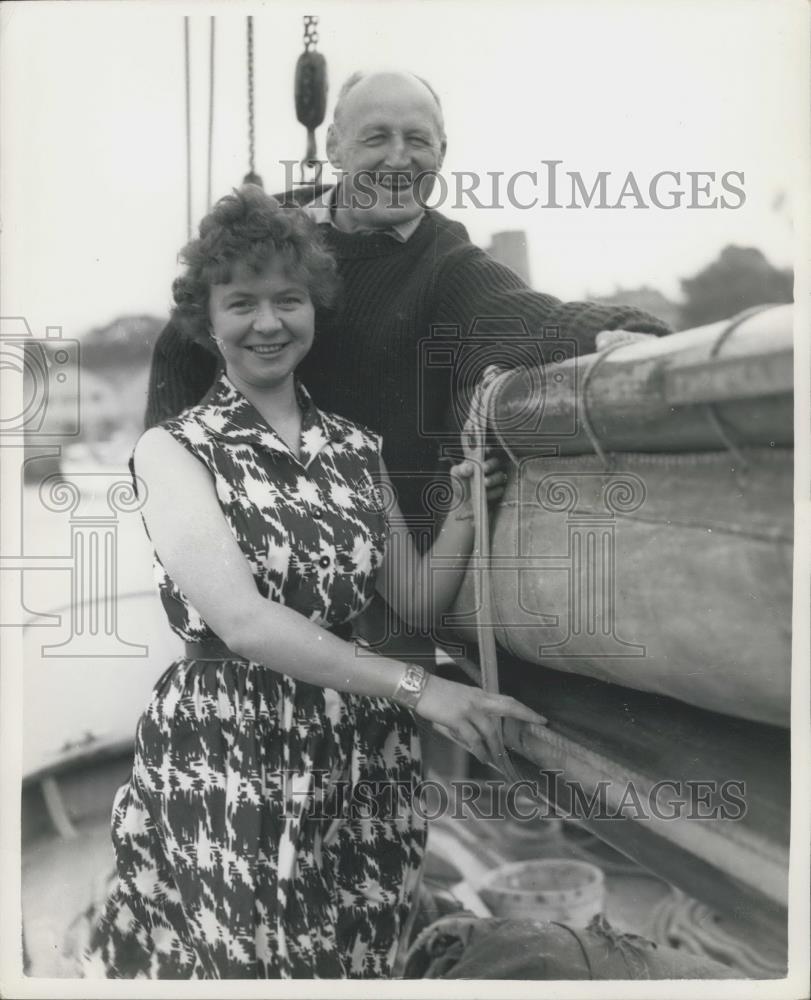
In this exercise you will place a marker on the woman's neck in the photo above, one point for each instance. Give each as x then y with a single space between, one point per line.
277 404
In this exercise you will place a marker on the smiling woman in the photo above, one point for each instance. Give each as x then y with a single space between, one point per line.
247 231
262 323
253 280
241 850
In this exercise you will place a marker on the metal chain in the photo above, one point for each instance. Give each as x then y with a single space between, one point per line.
251 177
310 32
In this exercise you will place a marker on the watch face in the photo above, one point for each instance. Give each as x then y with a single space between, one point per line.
412 680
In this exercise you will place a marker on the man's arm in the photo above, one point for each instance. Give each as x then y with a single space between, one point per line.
516 325
478 289
180 375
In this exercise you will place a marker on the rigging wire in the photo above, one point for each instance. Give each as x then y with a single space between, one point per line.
211 49
187 66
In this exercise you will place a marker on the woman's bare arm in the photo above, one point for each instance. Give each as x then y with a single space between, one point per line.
421 588
201 555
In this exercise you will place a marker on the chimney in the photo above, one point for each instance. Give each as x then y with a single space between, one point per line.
510 247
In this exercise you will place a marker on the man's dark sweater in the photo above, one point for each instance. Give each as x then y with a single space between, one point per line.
368 361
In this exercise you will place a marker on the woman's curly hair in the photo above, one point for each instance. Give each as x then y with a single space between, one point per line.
251 228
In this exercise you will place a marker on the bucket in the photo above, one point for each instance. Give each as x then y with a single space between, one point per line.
553 889
545 832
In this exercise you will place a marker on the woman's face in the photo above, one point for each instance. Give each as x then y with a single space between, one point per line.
263 324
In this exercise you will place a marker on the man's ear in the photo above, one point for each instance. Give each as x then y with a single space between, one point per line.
333 146
443 148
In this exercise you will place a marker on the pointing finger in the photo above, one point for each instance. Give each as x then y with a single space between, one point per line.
505 705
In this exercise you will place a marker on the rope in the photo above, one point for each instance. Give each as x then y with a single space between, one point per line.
499 434
187 65
712 415
212 28
677 921
710 409
474 443
733 325
585 415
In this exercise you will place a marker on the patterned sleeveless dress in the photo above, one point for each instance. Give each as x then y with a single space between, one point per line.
242 847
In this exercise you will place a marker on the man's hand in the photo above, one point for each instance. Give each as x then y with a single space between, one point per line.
615 338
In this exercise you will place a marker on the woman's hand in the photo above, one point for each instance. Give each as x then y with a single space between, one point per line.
470 716
495 479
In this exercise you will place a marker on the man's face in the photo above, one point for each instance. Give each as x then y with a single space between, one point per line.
389 145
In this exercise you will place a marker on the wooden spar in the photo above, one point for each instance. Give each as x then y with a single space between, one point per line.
740 853
662 395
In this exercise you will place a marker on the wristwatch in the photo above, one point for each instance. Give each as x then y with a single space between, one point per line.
411 685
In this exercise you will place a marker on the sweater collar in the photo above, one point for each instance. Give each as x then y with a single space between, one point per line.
371 245
322 210
230 415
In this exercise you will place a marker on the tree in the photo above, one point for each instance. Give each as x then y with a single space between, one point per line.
739 278
125 343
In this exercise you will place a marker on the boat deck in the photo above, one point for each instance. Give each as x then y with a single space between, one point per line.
603 732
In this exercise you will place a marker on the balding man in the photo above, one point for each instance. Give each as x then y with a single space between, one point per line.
406 271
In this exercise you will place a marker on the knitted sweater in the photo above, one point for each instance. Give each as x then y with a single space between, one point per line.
415 324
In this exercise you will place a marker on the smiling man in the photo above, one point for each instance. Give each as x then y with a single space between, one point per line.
406 271
388 141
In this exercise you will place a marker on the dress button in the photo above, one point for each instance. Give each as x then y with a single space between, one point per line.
324 561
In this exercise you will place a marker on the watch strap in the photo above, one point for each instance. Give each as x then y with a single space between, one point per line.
411 685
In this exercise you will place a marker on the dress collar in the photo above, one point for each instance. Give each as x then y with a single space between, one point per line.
230 415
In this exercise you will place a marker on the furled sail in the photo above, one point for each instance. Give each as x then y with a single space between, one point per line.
645 537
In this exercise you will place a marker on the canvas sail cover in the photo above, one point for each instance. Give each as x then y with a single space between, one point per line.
645 535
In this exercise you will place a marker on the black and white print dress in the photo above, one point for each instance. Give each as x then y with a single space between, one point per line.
241 850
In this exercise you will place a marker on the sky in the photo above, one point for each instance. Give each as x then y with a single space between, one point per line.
93 170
